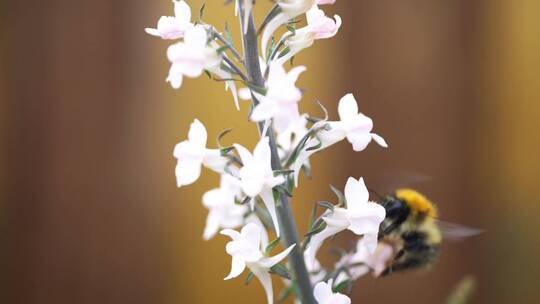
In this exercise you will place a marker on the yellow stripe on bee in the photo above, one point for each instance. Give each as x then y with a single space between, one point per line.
417 202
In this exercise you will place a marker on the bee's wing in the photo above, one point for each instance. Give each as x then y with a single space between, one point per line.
456 232
387 182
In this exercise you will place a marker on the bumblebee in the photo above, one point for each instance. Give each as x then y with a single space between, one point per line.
412 229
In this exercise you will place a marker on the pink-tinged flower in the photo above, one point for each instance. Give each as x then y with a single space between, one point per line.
324 295
354 126
192 153
257 177
321 2
192 56
282 96
362 261
361 216
289 10
246 251
319 26
223 212
173 27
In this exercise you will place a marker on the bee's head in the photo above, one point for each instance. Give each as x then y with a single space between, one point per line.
396 213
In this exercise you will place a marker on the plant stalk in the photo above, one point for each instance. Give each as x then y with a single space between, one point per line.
289 234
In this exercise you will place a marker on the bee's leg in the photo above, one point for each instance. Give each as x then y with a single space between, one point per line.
399 254
387 271
405 265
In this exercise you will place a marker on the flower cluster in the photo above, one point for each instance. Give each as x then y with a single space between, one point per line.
255 185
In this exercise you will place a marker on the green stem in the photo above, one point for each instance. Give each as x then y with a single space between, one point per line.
289 234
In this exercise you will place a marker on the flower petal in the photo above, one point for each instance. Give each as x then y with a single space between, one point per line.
245 155
152 31
196 36
212 226
187 172
263 111
237 267
182 11
347 107
356 193
366 218
269 262
175 76
317 241
252 234
233 234
197 134
266 281
359 140
295 72
268 198
261 153
322 292
378 139
214 161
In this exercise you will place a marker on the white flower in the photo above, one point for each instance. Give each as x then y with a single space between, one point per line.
324 295
319 26
321 2
289 10
245 249
354 126
173 27
192 56
257 177
192 153
223 212
281 99
376 261
357 126
361 216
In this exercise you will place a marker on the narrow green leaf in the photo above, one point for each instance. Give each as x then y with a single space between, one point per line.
221 135
285 51
281 189
339 194
318 229
244 201
222 49
228 35
291 27
285 293
280 270
225 151
326 205
312 216
315 147
201 11
249 278
341 287
271 246
283 172
276 9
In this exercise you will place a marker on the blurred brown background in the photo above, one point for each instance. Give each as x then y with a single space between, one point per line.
89 211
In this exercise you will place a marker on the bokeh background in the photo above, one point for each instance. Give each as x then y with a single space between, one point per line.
89 211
